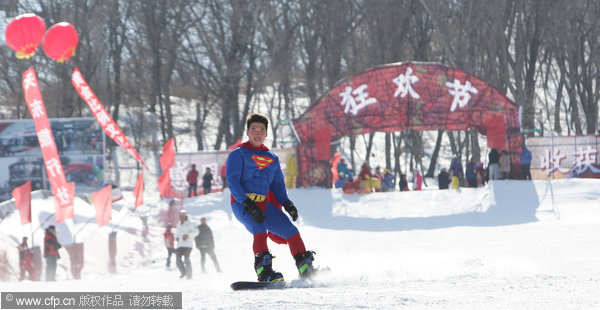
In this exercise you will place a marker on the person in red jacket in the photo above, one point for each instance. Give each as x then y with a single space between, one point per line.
25 261
169 243
417 181
51 255
192 179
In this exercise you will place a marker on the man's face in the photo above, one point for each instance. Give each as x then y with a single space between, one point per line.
257 133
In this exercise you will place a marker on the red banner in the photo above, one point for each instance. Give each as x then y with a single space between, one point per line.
103 203
104 119
22 195
138 190
63 192
167 159
164 185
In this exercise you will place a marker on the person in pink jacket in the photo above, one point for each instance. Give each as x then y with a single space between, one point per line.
417 181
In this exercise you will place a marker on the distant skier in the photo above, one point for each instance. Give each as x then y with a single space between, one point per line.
253 172
206 244
192 179
443 179
169 243
51 255
25 264
184 235
207 181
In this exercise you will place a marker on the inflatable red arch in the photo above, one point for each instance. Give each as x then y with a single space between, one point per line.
399 96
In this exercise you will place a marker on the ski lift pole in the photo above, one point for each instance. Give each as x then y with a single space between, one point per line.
121 220
75 234
49 216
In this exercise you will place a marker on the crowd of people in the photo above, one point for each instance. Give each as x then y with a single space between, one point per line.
474 174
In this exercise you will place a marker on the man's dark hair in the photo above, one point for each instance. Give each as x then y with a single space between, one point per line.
257 118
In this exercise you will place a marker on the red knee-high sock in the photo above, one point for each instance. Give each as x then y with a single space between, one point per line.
296 244
260 243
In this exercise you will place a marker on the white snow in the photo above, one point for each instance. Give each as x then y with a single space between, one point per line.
509 245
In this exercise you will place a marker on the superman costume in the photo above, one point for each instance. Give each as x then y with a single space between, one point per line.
254 173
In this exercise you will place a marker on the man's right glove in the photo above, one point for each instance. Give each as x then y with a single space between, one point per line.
255 212
288 205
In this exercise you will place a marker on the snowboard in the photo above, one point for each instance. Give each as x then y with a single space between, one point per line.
255 285
279 285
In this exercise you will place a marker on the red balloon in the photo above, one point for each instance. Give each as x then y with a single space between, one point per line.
24 34
60 42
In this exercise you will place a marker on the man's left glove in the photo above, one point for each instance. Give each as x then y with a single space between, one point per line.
291 209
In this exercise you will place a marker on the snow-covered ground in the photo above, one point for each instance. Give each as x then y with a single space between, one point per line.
509 245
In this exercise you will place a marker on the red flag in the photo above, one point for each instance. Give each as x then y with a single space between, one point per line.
103 202
164 185
138 190
167 159
22 195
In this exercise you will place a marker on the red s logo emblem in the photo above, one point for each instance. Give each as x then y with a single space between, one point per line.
262 161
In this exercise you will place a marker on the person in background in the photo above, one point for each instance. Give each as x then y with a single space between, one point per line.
169 243
207 179
51 255
525 163
342 167
480 174
470 173
184 235
352 186
341 181
504 165
367 181
25 264
379 176
403 183
494 164
455 171
192 179
417 180
388 181
443 179
206 244
224 175
291 171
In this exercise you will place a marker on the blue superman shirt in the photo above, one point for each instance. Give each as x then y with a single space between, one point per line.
256 171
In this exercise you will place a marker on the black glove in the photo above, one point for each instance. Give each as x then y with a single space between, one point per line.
291 209
255 212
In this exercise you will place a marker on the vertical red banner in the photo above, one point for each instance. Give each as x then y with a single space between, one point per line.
106 121
63 192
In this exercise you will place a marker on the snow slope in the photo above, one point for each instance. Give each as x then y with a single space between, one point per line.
509 245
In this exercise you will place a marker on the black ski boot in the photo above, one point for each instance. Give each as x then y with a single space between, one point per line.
304 264
264 269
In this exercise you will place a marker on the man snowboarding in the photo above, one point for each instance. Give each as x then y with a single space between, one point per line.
253 173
